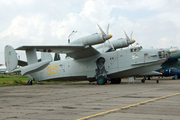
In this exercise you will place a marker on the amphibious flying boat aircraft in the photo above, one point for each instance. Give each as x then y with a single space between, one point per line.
86 62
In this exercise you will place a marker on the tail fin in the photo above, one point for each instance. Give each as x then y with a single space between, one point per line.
46 56
10 56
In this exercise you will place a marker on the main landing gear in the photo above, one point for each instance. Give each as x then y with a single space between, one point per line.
116 81
101 80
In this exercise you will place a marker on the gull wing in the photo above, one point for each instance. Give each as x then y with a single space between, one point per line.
74 51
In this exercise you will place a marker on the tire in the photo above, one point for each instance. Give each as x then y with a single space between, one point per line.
119 80
143 80
116 81
29 82
101 80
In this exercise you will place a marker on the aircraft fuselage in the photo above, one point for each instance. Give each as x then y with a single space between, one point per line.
117 64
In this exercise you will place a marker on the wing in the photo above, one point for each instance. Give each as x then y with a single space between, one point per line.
74 51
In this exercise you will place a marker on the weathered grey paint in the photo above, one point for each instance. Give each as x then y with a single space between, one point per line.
120 63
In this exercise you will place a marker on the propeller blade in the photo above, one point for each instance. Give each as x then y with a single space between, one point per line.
105 36
111 44
126 35
131 35
102 32
107 32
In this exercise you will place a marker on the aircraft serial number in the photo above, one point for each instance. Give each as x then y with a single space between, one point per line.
52 69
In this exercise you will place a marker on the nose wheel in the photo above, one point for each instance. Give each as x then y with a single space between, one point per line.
144 79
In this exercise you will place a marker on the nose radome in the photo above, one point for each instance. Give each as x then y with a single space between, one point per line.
134 41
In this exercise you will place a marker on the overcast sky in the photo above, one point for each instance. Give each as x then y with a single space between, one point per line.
155 23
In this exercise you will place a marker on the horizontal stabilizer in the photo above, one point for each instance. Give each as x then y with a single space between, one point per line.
34 67
22 63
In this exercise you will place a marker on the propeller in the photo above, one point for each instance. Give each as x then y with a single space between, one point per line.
102 32
107 31
106 36
127 38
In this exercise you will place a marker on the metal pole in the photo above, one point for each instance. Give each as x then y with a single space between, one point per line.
73 32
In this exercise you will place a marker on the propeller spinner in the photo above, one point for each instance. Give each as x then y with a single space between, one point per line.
106 36
129 40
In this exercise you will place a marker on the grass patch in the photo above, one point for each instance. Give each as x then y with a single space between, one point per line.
17 80
10 80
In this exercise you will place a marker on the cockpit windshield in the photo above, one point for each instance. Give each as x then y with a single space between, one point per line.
136 49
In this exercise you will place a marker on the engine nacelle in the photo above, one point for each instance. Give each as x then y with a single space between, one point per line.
92 39
122 42
119 43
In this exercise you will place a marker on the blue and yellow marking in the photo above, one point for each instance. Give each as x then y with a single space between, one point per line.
140 103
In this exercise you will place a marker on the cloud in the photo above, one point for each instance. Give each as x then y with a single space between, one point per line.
137 4
154 23
32 28
85 22
17 2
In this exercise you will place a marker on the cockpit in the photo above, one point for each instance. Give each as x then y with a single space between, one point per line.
136 49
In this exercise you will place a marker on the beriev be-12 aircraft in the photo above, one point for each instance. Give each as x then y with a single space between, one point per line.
84 62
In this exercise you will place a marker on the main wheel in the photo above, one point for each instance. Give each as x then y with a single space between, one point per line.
116 81
143 80
101 80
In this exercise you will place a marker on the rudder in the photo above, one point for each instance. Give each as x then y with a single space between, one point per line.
10 57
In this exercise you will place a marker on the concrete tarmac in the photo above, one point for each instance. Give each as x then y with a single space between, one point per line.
84 100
